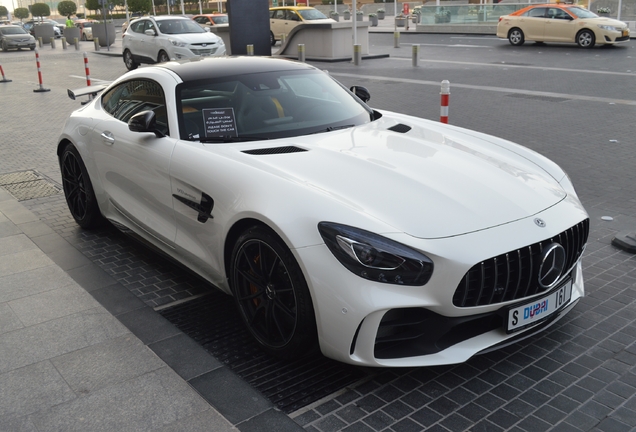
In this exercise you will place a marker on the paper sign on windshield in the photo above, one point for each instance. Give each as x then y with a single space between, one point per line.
219 122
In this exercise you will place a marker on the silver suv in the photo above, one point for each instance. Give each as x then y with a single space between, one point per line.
164 38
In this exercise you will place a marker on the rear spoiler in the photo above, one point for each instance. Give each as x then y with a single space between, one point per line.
90 91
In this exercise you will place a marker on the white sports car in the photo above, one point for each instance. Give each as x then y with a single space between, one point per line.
382 239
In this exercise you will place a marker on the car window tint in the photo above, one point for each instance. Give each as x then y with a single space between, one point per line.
537 13
220 19
311 14
138 26
135 96
280 14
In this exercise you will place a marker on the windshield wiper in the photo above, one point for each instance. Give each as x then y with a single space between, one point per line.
333 128
231 139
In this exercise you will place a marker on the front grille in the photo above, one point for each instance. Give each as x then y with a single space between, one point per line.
203 51
514 275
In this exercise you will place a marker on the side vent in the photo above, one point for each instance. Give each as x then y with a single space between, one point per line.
400 128
275 150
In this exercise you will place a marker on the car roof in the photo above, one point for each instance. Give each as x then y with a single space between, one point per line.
210 15
214 67
551 5
291 8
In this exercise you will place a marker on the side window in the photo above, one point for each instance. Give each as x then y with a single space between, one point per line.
135 96
138 27
537 12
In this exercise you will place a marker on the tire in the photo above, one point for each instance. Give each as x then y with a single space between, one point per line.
129 61
585 39
515 37
78 189
163 57
4 46
271 294
272 39
32 48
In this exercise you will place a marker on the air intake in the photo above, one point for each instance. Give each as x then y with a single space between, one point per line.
400 128
275 150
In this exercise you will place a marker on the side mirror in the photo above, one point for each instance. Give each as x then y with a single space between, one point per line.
150 32
206 28
361 92
145 121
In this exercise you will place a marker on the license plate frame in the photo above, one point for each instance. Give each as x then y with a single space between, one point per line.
530 313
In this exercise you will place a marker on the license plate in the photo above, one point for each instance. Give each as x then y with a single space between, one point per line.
625 32
538 310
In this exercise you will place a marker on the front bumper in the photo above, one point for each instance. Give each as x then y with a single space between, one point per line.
191 51
374 324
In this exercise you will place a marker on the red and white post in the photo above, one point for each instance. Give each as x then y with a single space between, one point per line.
88 73
443 114
4 79
37 61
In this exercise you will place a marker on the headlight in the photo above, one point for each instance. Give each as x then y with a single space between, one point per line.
177 43
608 27
374 257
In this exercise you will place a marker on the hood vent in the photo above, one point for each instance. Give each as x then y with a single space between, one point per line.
401 128
275 150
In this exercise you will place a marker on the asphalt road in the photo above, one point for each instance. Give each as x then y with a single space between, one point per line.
576 106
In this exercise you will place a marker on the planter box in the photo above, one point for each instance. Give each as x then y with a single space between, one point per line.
359 17
70 33
373 21
400 22
347 15
100 30
381 15
44 31
335 17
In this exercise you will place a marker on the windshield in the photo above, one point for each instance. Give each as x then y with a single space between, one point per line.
12 30
311 14
582 13
179 26
266 105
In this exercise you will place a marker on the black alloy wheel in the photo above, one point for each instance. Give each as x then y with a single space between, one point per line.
272 295
272 39
78 189
163 57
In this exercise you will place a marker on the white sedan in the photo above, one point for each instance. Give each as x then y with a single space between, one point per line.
379 238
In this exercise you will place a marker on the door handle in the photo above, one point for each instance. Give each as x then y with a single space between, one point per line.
108 138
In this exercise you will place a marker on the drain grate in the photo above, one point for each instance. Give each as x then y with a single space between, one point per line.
26 185
214 322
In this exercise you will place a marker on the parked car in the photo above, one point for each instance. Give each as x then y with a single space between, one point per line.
283 19
15 37
561 23
58 28
212 20
163 38
86 29
384 239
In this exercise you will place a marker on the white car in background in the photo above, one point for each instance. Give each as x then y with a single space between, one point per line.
164 38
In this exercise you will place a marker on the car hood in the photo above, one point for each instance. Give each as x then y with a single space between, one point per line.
429 182
605 21
19 37
319 21
195 38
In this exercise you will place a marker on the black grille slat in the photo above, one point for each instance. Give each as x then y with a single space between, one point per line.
519 269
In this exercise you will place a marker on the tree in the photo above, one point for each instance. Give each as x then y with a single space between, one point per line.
67 8
141 6
21 13
4 11
40 10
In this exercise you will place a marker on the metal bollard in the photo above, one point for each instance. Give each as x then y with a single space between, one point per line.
63 42
283 39
76 43
357 54
53 43
250 50
96 42
445 92
88 74
416 54
40 41
37 61
301 53
396 39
